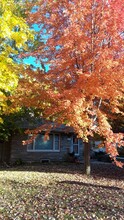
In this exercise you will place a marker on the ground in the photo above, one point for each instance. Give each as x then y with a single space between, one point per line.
62 192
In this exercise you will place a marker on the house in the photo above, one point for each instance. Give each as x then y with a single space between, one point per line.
56 148
60 144
59 147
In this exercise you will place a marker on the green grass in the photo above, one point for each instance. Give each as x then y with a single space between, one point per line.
62 191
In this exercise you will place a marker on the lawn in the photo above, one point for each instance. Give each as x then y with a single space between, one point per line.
62 191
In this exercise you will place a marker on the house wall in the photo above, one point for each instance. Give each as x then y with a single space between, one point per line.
81 150
19 151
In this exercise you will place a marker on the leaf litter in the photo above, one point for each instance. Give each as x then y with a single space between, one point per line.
62 191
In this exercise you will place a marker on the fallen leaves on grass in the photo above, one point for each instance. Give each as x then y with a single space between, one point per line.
58 192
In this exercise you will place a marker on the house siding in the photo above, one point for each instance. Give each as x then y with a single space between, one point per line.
81 150
19 151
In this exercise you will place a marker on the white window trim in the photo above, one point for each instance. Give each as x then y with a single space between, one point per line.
37 150
76 154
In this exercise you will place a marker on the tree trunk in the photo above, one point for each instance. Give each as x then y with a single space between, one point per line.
5 151
87 166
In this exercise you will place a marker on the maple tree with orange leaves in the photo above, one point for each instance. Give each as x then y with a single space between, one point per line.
84 87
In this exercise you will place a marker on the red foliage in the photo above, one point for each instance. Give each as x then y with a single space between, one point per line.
85 84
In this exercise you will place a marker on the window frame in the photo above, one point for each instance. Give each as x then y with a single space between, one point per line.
76 144
38 150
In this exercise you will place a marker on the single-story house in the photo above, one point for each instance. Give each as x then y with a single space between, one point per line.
59 147
56 148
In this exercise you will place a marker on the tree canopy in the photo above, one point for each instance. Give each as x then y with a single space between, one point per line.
85 84
14 37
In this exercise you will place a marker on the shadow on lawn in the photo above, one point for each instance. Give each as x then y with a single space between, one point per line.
76 197
98 170
109 171
90 185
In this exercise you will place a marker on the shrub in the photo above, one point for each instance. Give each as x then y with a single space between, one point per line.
19 162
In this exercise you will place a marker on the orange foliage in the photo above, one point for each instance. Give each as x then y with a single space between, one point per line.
86 81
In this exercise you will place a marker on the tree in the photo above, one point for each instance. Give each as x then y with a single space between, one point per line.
14 37
16 122
85 84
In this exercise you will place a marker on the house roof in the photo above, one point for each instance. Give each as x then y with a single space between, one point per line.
33 123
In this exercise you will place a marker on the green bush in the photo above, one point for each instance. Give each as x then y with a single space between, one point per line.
19 162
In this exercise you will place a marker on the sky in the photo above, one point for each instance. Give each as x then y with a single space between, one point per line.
32 60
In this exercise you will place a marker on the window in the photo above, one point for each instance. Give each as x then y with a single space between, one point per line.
75 143
39 144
